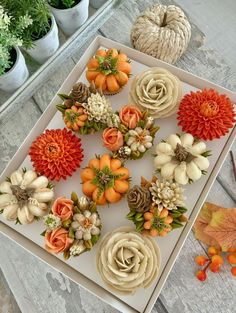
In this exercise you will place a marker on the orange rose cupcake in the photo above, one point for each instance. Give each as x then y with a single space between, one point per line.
129 133
112 139
130 115
73 226
63 208
58 240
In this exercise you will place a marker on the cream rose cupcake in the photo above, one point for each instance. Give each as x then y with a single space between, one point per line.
156 90
127 261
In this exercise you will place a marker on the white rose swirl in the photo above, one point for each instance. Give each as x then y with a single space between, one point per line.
156 90
126 260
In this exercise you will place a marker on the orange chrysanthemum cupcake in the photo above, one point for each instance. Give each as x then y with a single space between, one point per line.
206 114
57 153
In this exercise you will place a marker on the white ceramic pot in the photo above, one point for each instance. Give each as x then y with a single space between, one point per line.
69 20
97 3
46 46
16 76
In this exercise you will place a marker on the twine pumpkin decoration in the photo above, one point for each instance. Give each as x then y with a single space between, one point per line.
162 32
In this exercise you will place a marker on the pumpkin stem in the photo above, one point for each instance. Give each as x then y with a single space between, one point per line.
22 195
181 154
164 23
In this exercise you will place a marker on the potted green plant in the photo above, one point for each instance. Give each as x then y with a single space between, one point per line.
13 70
69 14
41 37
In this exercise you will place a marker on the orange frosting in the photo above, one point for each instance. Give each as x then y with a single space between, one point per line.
206 114
112 139
58 240
57 153
130 116
63 208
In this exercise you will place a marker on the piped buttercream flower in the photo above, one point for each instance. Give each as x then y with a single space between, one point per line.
156 90
206 114
86 225
58 240
130 116
57 153
63 208
127 261
112 139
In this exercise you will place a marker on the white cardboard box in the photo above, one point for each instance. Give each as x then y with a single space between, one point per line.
82 269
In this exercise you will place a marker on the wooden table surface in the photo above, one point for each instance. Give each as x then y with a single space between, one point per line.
28 285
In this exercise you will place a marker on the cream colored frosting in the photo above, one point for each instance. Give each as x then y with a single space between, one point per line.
182 171
35 205
156 90
126 260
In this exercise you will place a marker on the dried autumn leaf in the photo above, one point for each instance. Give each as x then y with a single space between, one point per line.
202 222
222 227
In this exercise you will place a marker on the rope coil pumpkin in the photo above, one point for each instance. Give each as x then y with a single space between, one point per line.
162 32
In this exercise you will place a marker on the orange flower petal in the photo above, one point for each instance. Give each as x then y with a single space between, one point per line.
57 153
206 114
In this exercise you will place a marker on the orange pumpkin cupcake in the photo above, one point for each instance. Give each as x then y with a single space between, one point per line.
109 70
105 179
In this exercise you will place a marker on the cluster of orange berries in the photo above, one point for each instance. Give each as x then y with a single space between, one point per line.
75 117
157 223
214 261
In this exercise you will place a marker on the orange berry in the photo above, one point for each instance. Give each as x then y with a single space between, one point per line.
200 260
212 251
169 219
231 258
145 232
147 225
233 271
201 275
217 259
215 268
153 232
163 233
231 250
148 216
164 213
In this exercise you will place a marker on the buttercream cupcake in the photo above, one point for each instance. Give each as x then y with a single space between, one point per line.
25 196
84 110
182 158
57 153
156 90
127 261
130 133
156 207
72 227
206 114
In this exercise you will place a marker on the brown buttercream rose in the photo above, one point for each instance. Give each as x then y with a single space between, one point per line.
139 199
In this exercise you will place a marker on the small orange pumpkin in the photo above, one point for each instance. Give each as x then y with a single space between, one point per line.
105 179
109 70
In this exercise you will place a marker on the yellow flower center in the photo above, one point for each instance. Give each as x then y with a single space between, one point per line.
209 108
52 150
87 223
